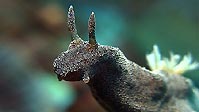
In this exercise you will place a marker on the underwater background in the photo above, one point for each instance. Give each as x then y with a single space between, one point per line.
34 32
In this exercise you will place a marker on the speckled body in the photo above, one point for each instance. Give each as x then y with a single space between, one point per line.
123 86
119 84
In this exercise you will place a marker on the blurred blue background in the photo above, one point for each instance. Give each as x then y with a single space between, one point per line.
34 32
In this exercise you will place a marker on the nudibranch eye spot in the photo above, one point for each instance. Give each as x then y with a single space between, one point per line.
75 43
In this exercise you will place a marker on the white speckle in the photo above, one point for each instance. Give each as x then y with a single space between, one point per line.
54 64
86 78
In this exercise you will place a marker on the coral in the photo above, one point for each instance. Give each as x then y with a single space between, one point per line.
172 65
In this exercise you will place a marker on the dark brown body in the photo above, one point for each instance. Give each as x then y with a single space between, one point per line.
118 84
122 86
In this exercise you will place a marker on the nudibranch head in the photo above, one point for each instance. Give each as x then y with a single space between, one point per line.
71 65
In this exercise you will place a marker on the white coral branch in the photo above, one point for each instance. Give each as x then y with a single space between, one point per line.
172 65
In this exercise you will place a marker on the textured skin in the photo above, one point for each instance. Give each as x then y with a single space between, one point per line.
120 85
